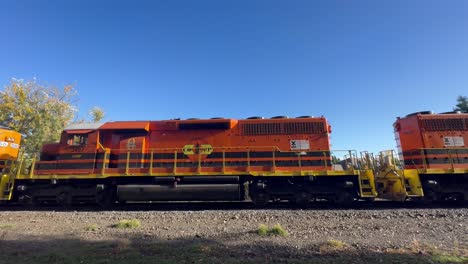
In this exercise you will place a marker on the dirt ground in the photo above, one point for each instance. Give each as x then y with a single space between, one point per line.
217 235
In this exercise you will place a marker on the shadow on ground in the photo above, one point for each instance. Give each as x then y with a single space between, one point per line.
135 249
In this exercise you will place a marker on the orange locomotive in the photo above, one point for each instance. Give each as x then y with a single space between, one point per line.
211 159
9 152
9 147
435 145
190 146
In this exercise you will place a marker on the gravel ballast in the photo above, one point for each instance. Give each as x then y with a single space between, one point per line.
324 235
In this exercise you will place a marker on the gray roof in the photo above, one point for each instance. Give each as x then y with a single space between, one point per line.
86 125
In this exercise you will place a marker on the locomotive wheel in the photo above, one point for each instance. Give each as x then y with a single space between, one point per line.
430 196
259 194
64 199
105 201
35 202
344 198
261 198
302 198
105 198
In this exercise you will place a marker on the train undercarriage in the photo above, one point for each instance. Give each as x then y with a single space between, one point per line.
440 187
342 190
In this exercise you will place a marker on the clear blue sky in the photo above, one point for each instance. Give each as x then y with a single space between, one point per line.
359 63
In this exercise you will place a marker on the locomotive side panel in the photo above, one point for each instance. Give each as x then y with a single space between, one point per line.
435 141
260 144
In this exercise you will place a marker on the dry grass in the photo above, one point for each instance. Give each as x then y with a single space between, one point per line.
332 245
6 226
336 244
456 255
420 247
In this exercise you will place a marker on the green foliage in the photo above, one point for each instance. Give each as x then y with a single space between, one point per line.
38 112
276 230
97 114
462 104
125 224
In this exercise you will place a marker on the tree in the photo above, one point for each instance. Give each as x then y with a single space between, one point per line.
97 114
462 104
38 112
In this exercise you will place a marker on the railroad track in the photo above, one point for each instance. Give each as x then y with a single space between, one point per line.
231 206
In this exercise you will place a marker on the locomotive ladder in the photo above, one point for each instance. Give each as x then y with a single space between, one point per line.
411 183
366 184
7 180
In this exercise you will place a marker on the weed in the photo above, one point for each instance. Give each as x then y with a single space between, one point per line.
337 244
332 245
276 230
126 224
262 230
92 227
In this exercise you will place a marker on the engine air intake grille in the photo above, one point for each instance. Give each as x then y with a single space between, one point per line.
445 124
283 128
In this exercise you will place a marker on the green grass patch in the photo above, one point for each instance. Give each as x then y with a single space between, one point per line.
262 230
127 224
449 259
276 230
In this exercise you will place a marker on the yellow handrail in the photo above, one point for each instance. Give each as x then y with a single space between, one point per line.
151 161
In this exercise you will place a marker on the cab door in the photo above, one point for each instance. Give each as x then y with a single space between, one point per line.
134 150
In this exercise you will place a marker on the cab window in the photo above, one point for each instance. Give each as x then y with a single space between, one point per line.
77 139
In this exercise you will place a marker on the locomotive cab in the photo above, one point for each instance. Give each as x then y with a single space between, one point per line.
9 147
75 153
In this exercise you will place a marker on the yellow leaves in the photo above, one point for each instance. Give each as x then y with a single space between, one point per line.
38 112
96 113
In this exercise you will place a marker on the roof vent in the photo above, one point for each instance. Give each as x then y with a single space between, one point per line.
421 113
451 112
